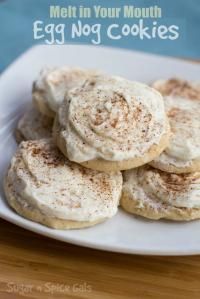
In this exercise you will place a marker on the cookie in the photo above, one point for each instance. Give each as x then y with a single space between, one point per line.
112 124
182 102
52 84
45 187
156 194
33 125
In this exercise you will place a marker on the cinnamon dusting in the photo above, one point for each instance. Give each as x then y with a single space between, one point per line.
176 87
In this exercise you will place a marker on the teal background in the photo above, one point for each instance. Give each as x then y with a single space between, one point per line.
17 17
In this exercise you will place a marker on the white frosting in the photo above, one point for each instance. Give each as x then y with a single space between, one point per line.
33 125
44 179
182 103
164 158
55 82
113 119
185 141
157 187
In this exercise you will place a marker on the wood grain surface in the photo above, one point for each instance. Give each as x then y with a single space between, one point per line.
32 266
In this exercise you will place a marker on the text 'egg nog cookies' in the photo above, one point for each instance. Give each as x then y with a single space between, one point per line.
112 124
50 87
156 194
42 185
182 102
33 125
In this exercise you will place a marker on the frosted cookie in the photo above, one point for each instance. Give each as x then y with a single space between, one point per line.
43 186
50 87
155 194
112 124
33 125
182 102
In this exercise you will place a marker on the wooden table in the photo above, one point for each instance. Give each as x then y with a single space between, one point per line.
32 266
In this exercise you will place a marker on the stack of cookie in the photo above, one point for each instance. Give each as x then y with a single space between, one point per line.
170 186
83 129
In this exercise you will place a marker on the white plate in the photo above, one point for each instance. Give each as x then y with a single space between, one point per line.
124 232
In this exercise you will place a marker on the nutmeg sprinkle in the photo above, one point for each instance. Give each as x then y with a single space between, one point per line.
44 179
